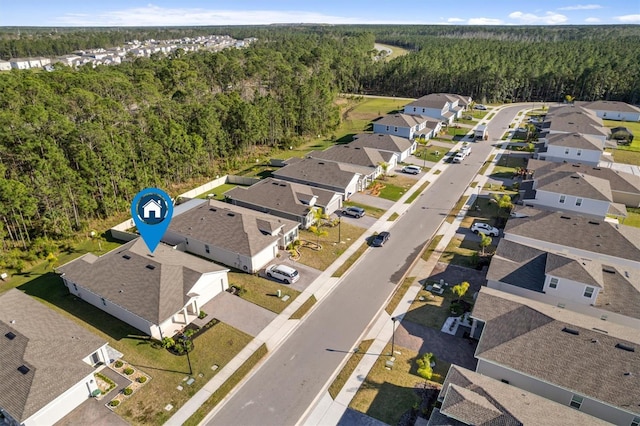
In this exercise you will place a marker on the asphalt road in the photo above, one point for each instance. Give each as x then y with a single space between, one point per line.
284 387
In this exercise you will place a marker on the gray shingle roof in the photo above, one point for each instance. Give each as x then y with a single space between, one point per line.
368 157
152 286
400 120
609 106
530 337
436 100
587 272
233 228
596 236
573 119
382 142
280 195
576 184
320 172
50 345
518 265
575 140
481 400
618 181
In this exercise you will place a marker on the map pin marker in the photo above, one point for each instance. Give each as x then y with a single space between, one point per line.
152 210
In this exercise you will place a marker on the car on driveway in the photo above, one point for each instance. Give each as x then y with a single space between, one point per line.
356 212
412 170
485 228
283 273
380 239
480 107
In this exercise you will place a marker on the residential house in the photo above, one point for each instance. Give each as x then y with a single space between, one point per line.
570 147
407 126
625 187
359 156
234 236
573 359
580 284
613 110
5 65
69 60
285 199
47 362
469 398
159 293
400 147
345 179
578 236
573 119
573 192
444 107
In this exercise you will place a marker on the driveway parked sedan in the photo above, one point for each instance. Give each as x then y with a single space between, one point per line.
356 212
485 228
380 239
412 170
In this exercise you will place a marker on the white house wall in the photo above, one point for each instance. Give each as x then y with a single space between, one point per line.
547 390
617 115
209 286
65 403
402 131
559 154
111 308
627 198
588 207
571 290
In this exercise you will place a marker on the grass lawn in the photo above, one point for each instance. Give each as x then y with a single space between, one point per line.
358 113
634 127
433 153
331 249
397 296
395 51
370 211
633 217
348 368
392 187
216 346
478 114
262 291
456 209
416 193
218 191
462 252
350 261
304 308
387 394
432 247
626 157
484 209
393 217
486 164
433 311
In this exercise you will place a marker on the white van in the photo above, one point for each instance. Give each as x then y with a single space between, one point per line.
283 273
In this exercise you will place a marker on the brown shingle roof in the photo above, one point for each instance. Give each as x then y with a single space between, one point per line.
575 140
233 228
610 106
400 120
368 157
152 286
576 184
382 142
328 173
531 337
50 345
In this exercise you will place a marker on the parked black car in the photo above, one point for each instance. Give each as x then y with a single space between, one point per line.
380 239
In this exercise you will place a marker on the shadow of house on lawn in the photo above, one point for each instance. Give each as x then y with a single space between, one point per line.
50 288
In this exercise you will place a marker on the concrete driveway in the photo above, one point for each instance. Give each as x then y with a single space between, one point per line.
307 274
363 222
370 200
238 313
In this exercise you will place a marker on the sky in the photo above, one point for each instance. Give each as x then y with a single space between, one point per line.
62 13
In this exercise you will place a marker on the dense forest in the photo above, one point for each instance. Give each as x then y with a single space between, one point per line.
76 145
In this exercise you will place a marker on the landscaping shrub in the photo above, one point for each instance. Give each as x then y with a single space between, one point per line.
119 364
142 379
127 391
128 371
114 403
202 314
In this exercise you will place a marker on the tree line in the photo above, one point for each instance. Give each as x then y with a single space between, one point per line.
77 145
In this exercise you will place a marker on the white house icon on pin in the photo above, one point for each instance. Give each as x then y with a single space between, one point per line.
152 209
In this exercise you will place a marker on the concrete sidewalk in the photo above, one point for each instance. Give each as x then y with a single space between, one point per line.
278 330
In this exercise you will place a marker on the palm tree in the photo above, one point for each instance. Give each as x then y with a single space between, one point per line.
485 241
460 289
318 217
385 168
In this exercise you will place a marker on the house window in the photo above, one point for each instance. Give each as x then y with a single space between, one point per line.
553 283
387 128
414 109
579 202
104 302
635 421
576 402
422 109
186 241
504 381
562 199
206 248
579 153
566 151
75 287
588 292
395 129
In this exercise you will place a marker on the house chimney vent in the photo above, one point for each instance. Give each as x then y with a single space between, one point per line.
625 347
10 335
571 331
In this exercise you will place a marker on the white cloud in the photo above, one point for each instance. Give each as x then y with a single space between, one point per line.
628 19
454 20
592 20
152 15
581 7
484 21
549 18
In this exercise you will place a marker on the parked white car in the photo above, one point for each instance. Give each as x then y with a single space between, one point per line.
480 107
466 150
458 157
283 273
485 228
412 170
